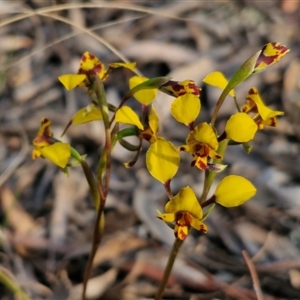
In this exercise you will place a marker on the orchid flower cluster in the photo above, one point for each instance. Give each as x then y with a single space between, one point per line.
204 143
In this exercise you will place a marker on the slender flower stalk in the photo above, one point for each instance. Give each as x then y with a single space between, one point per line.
209 175
168 269
105 170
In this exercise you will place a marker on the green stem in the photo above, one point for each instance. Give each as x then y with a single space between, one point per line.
92 183
101 101
168 189
13 287
129 146
97 237
175 249
103 172
101 98
220 101
209 201
210 176
244 71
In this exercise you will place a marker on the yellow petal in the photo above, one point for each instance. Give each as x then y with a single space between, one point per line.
58 153
130 66
185 201
264 111
181 232
36 152
45 127
87 114
185 109
167 217
90 64
218 79
234 190
144 96
269 55
198 225
126 115
153 120
71 81
240 128
205 134
200 162
269 122
190 148
43 137
162 160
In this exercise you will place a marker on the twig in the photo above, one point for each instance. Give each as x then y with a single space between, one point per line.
19 59
253 273
11 285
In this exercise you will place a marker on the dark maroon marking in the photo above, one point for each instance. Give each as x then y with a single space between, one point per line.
146 136
205 151
95 70
44 121
252 92
266 59
202 165
194 87
173 88
92 56
203 228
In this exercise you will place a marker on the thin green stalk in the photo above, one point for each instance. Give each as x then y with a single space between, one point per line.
175 249
101 99
97 237
103 173
92 183
210 176
219 104
244 71
96 199
12 286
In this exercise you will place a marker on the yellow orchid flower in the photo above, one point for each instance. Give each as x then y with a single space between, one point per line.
185 210
262 114
202 143
90 66
48 147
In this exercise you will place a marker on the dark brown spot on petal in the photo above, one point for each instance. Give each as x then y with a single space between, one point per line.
203 151
92 56
201 165
203 228
252 91
193 86
180 234
273 122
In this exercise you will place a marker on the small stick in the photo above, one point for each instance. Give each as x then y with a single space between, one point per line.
253 273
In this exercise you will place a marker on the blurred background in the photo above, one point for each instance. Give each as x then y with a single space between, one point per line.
46 218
